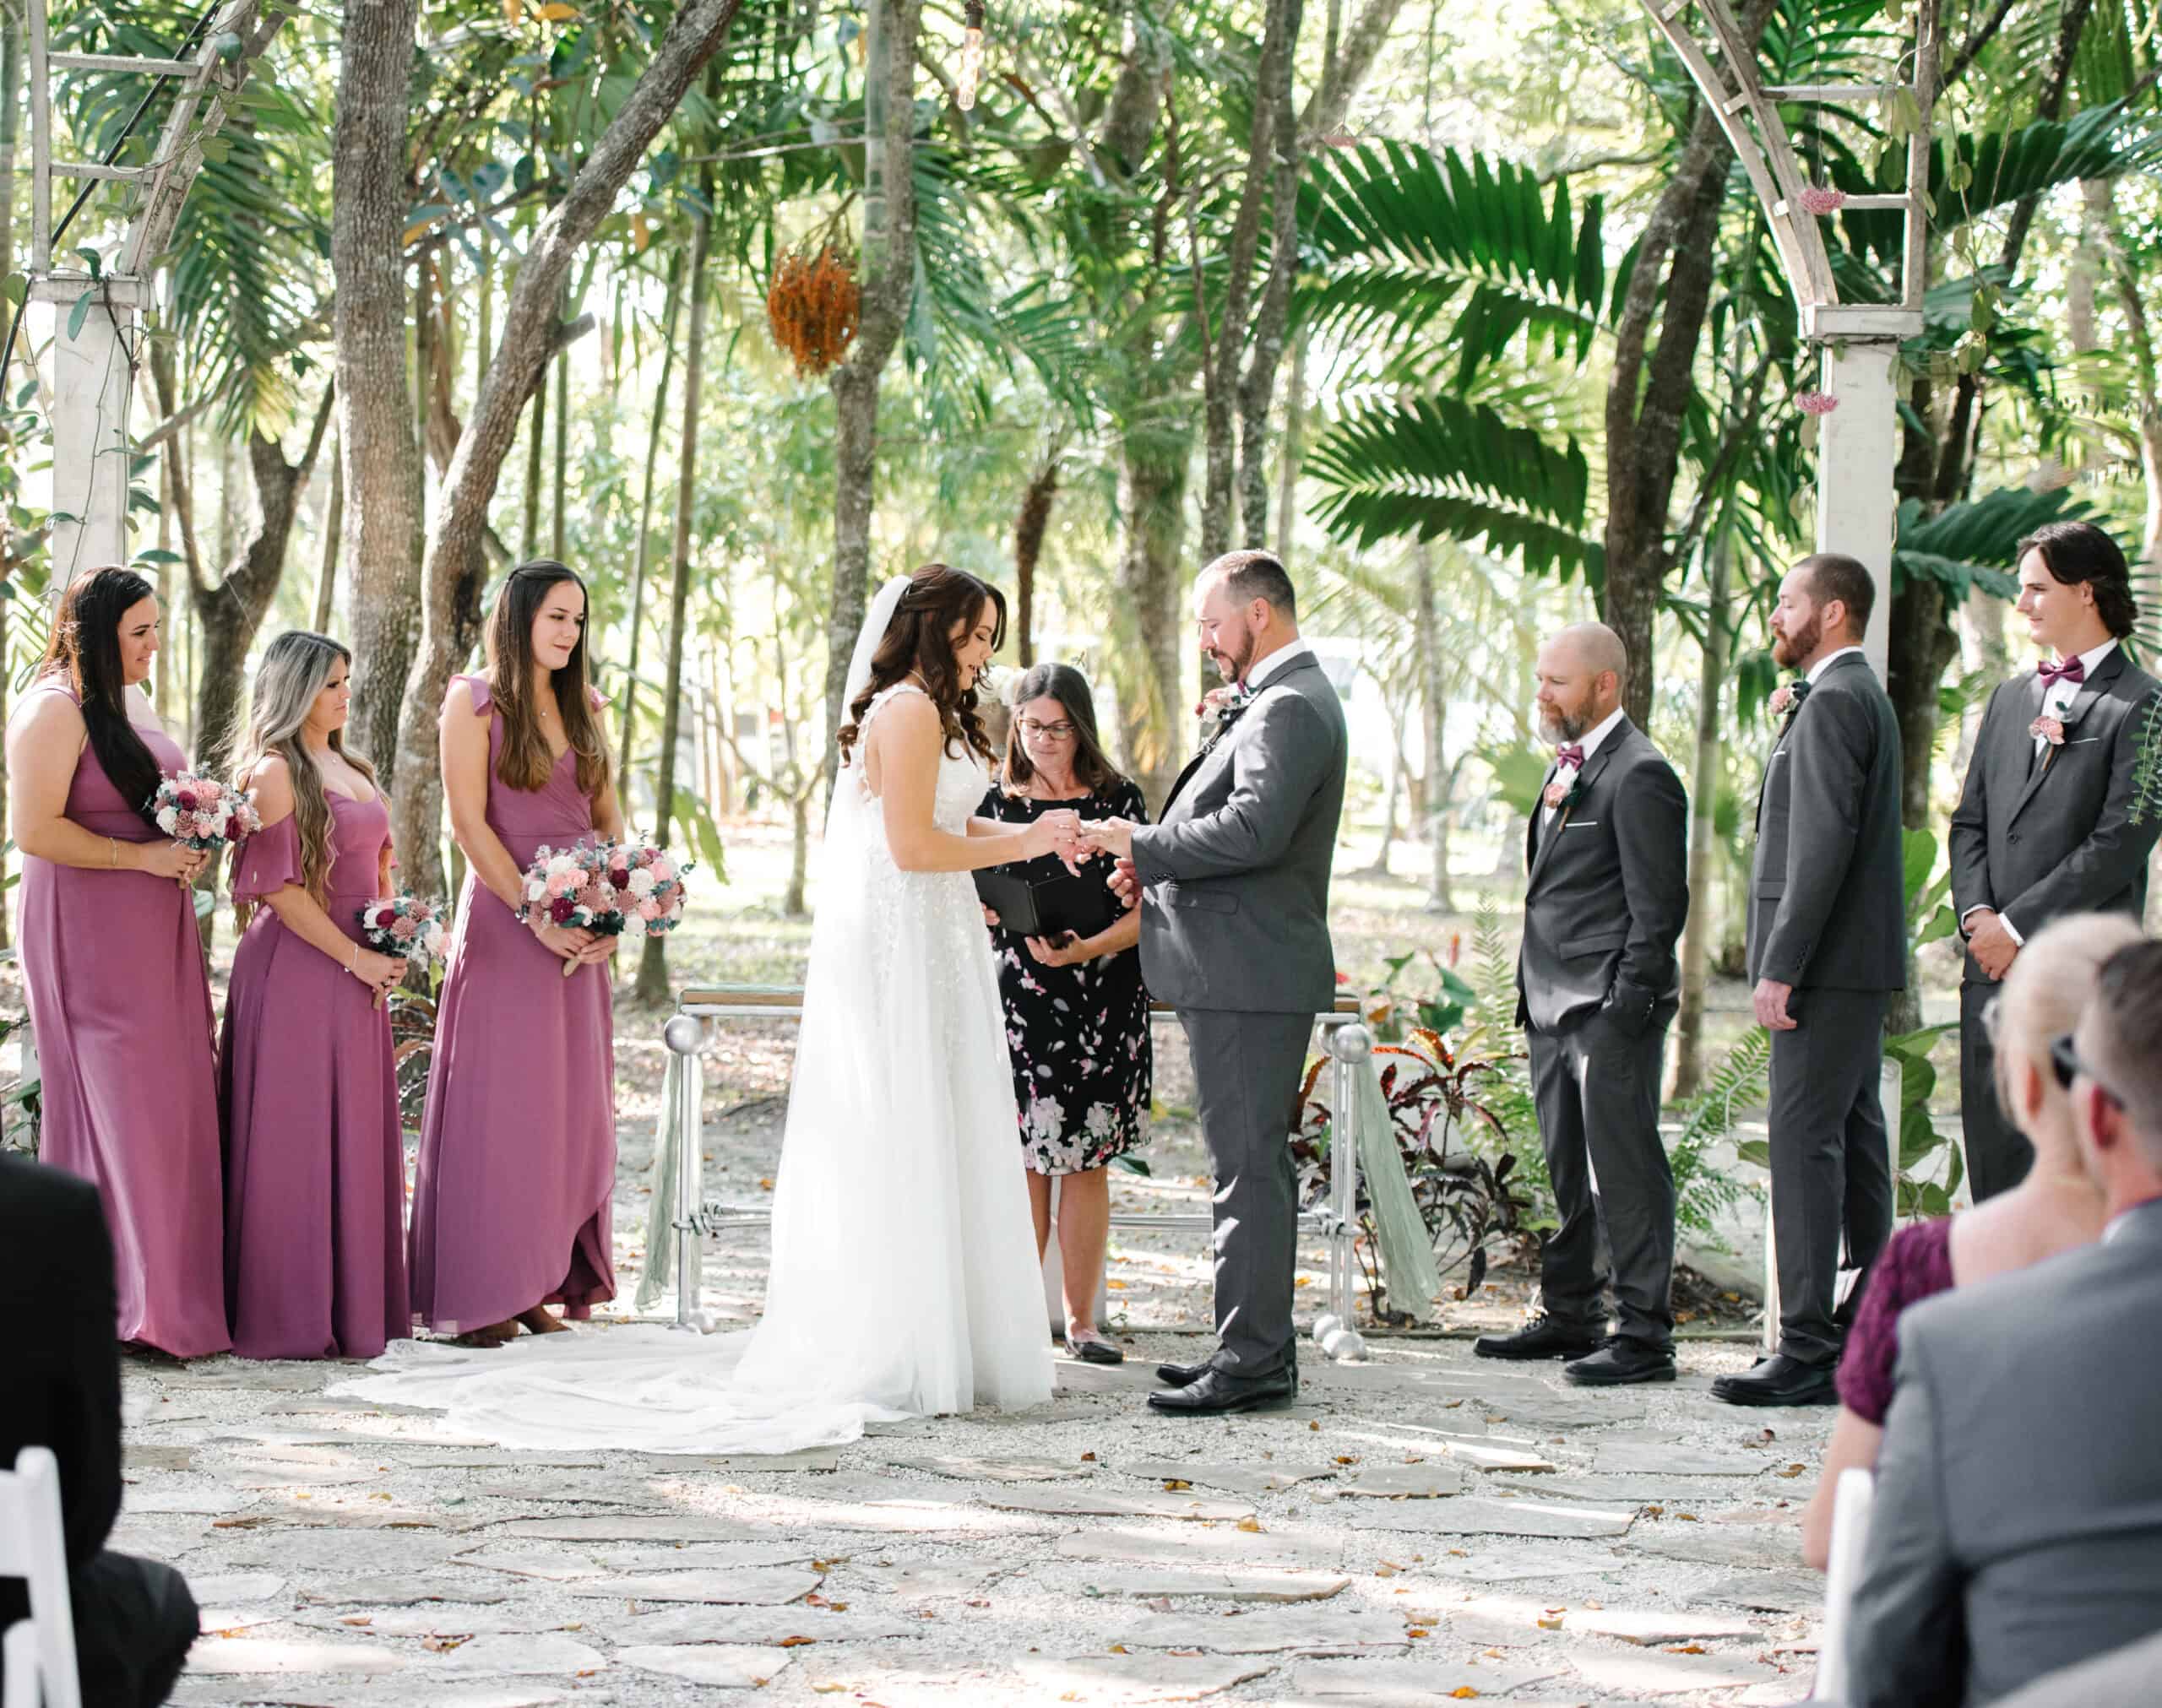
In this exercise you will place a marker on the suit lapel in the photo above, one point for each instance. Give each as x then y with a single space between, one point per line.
1305 662
1585 777
2090 691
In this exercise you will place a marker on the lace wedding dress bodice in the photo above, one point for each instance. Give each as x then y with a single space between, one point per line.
904 1279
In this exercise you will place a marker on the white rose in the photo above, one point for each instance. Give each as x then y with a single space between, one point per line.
168 819
535 890
641 883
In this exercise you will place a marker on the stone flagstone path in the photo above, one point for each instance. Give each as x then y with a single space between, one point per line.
1391 1540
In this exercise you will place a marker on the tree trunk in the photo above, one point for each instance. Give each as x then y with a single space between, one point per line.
1704 819
382 458
1257 388
623 745
1653 383
1295 451
334 524
794 902
653 963
1227 329
1152 502
536 468
1347 66
1433 705
1029 530
457 554
888 280
228 615
558 543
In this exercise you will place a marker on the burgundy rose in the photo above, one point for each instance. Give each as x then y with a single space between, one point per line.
232 829
561 909
386 917
185 800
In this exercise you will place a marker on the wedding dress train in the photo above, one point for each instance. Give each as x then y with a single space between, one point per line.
904 1279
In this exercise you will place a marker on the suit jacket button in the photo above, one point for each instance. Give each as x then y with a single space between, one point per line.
2015 837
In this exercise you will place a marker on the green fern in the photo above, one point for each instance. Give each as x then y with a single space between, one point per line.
1741 1082
1492 1033
2147 764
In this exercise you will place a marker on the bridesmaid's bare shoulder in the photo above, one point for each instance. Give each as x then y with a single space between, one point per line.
49 713
468 695
271 783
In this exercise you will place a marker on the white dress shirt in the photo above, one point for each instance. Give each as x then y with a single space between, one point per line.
1280 659
1569 773
1825 663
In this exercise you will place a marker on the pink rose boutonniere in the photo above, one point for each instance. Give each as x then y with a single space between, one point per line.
1560 794
2051 730
1788 697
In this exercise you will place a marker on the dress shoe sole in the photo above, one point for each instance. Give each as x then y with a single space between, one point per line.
1259 1403
1582 1352
1825 1393
1661 1372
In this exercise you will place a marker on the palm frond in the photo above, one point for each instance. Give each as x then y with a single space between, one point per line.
1966 545
1437 467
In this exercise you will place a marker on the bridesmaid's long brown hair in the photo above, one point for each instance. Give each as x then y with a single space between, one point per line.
86 648
294 669
919 638
527 762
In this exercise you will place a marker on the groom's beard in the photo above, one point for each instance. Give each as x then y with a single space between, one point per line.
1557 726
1788 650
1233 662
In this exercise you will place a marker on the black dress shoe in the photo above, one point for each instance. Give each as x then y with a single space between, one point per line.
1542 1337
1182 1376
1091 1351
1213 1393
1779 1380
1620 1362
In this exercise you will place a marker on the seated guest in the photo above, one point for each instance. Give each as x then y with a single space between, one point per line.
134 1618
2054 1208
2018 1525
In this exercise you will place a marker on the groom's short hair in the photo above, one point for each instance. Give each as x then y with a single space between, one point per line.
1257 575
1833 575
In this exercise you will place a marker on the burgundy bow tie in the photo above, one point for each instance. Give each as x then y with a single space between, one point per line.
2072 671
1571 753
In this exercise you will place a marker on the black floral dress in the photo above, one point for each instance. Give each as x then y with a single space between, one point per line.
1083 1063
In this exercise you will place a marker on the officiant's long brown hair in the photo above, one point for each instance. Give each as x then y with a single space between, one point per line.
919 638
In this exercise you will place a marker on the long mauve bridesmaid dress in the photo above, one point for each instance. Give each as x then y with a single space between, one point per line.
315 1180
517 1152
120 1005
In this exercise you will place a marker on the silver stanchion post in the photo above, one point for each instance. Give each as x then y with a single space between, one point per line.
1350 1046
683 1034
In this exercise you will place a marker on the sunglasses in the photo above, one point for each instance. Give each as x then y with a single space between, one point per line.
2065 1063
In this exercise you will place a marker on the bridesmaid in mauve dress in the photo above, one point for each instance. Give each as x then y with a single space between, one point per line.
315 1182
518 1152
119 1000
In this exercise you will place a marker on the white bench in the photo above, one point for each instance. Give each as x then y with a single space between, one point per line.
41 1650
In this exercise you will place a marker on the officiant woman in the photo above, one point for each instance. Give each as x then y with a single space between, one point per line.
1077 1016
517 1152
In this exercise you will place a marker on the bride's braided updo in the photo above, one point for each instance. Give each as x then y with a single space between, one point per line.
920 639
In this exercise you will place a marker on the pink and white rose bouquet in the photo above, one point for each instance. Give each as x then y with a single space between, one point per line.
630 890
200 813
650 882
405 926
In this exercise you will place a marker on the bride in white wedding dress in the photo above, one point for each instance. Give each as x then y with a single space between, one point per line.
904 1279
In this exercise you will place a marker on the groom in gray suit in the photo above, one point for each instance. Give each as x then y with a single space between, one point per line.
1827 939
1233 886
1597 982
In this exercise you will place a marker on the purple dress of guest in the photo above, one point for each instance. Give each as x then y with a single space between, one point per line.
315 1180
1914 1265
517 1152
120 1005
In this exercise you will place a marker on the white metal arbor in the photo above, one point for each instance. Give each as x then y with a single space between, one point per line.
1857 505
94 354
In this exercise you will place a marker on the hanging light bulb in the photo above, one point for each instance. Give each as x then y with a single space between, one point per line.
971 56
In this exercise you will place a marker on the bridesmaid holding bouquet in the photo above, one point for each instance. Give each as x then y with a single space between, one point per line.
315 1185
517 1154
119 1000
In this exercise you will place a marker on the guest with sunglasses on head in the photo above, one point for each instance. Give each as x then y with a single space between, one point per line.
2054 1208
1077 1016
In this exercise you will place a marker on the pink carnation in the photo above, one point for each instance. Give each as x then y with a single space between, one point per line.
404 930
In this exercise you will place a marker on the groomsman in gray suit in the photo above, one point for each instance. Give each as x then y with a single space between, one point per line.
1826 949
1233 886
2016 1529
2045 825
1597 984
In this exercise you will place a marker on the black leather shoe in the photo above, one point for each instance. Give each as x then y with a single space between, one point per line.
1182 1376
1092 1351
1620 1362
1779 1380
1542 1337
1212 1393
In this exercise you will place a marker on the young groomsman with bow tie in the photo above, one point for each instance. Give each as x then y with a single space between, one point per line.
2044 826
1826 949
1597 984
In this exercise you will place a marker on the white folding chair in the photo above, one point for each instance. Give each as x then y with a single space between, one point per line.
33 1546
1850 1505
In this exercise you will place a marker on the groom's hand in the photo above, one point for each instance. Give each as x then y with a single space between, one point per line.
1111 836
1125 885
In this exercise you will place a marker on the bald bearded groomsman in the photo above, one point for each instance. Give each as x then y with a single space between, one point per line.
2045 824
1597 984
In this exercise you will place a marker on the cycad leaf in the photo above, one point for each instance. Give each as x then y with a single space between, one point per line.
1966 546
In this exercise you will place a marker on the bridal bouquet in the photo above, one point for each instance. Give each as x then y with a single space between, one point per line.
405 926
614 890
201 812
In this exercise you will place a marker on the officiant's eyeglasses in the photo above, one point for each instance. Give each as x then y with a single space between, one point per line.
1048 732
2065 1063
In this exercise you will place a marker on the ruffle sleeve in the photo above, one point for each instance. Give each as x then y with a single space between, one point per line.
268 861
478 686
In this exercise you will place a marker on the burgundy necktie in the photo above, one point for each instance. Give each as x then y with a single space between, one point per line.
1570 754
2072 670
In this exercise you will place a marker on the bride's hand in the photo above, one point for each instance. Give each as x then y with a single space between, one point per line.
1054 834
